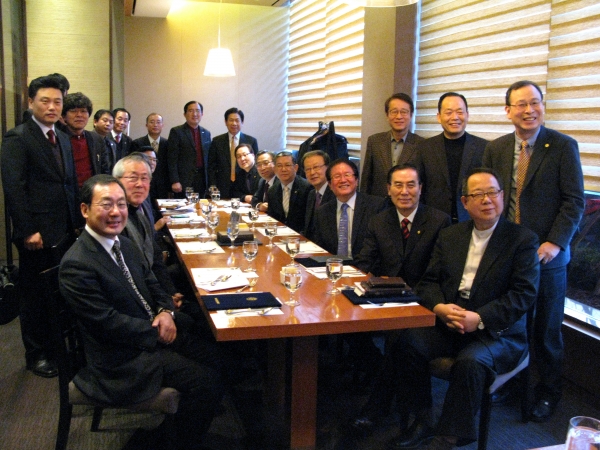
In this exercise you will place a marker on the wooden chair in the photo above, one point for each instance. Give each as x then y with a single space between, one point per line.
442 367
69 354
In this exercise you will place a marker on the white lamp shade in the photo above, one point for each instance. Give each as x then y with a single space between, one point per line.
219 63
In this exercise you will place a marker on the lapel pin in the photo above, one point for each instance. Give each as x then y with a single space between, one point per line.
547 145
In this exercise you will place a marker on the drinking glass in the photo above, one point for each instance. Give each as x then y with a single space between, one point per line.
235 204
250 251
292 281
233 229
271 232
193 198
188 192
253 216
335 270
292 246
213 223
583 434
215 195
206 208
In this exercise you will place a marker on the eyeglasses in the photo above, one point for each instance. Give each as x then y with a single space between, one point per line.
314 168
522 106
401 112
286 166
263 163
345 176
108 206
242 155
480 195
134 179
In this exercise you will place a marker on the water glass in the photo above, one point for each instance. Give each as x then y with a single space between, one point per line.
215 195
253 216
292 246
188 192
235 204
193 198
583 434
335 270
271 232
213 223
292 281
233 229
250 249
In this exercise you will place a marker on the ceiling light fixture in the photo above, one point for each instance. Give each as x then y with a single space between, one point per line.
219 62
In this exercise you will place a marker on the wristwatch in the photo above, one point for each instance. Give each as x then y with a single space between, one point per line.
480 325
161 310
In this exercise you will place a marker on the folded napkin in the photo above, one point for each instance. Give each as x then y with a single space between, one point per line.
229 278
321 272
240 301
188 232
199 247
305 247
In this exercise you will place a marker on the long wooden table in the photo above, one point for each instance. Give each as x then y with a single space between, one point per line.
319 314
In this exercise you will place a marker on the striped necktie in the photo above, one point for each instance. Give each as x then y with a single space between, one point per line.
343 231
522 165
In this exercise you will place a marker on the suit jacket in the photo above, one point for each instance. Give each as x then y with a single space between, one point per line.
219 161
310 210
298 199
119 340
383 252
181 155
258 194
552 200
504 288
430 159
378 161
123 148
326 229
239 188
97 149
39 196
160 186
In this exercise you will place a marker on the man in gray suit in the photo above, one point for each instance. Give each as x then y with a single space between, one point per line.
445 159
548 199
385 150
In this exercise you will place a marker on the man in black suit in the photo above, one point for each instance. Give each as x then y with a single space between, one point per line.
40 191
188 152
160 176
288 196
386 250
550 202
89 150
265 164
133 341
247 177
221 156
387 149
445 159
482 278
117 134
315 165
342 176
104 122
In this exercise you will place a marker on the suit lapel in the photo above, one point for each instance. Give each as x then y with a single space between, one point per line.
492 252
359 215
460 251
415 230
44 145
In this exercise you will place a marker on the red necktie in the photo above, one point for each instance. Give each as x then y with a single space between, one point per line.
405 231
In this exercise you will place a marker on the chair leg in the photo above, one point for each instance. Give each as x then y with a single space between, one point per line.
96 418
64 425
484 421
525 394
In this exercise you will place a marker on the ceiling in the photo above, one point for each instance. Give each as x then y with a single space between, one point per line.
160 8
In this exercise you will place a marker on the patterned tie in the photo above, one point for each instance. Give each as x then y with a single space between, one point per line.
343 231
405 231
155 146
286 200
232 153
522 165
119 256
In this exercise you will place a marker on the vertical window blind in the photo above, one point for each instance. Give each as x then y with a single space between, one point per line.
325 70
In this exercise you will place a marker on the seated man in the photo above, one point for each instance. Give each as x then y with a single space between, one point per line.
482 278
265 164
315 165
288 197
133 345
247 177
396 250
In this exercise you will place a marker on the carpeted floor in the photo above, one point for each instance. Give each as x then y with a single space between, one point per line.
29 414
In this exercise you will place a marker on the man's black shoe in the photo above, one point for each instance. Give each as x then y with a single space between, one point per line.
543 410
363 426
416 434
43 367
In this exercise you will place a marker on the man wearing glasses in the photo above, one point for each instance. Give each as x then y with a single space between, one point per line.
445 159
542 169
385 150
247 177
265 164
288 197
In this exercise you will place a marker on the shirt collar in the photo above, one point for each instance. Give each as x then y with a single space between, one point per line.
44 128
105 242
351 202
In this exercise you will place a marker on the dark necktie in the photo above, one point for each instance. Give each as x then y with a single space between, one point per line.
318 199
55 150
405 231
249 181
265 197
343 231
119 256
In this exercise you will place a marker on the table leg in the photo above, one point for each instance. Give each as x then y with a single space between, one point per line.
303 418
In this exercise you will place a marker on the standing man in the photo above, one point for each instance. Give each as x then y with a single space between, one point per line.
341 225
315 165
265 164
124 142
288 196
247 177
89 150
188 152
445 159
221 156
542 168
104 122
385 150
481 280
40 190
160 177
399 241
133 341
